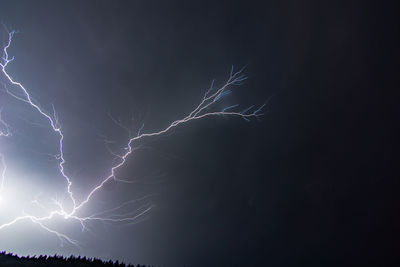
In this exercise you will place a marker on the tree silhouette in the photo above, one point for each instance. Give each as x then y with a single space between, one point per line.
8 260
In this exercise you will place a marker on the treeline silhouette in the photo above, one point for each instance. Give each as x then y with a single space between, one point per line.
7 260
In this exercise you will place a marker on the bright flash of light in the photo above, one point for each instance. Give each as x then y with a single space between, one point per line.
54 209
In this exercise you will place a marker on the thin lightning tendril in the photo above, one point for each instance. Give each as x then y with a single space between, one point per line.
5 128
5 132
211 97
3 172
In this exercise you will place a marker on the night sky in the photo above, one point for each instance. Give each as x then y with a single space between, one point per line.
311 183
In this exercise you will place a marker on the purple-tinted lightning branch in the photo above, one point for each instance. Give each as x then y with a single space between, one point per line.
55 126
206 108
27 98
211 97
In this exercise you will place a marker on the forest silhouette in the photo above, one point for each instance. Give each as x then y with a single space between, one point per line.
8 260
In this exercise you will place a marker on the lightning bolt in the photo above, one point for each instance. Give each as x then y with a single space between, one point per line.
206 108
53 121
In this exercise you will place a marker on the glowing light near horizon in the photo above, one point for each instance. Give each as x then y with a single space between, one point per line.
55 209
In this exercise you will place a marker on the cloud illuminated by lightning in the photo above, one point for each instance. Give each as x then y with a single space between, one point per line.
206 108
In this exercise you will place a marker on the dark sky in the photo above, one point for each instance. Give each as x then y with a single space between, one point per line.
311 183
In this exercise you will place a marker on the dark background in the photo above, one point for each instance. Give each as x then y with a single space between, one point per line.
313 183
